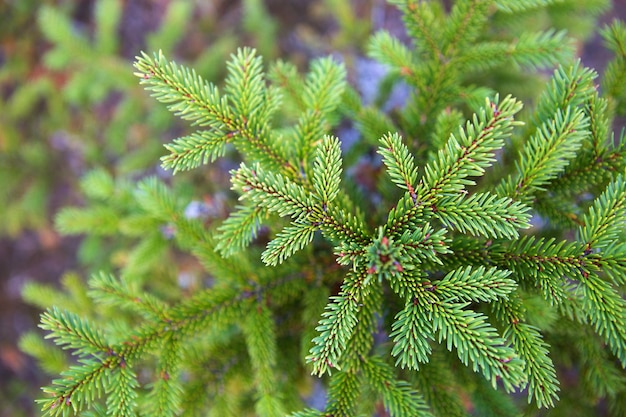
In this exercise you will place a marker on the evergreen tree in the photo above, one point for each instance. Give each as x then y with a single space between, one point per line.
489 236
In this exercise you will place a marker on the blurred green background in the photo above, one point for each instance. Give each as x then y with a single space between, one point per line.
69 104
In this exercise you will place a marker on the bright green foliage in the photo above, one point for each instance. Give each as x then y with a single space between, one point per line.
70 103
615 39
51 123
444 259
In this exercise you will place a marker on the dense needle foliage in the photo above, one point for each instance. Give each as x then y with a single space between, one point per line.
458 257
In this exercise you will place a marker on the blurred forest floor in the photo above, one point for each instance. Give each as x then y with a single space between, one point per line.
42 254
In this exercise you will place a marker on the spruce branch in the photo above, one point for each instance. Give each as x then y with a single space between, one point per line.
327 170
593 168
615 37
385 48
240 116
464 24
313 303
310 127
469 250
239 229
335 329
191 98
72 332
405 216
604 222
324 85
319 95
340 225
470 153
165 397
98 184
490 402
543 385
106 289
483 214
206 309
144 255
58 28
446 124
273 192
209 307
441 89
337 325
390 258
399 398
474 97
444 249
123 392
542 50
600 372
81 384
245 84
611 261
571 86
474 284
412 332
191 234
285 76
478 342
373 124
288 241
615 73
606 311
260 333
400 163
53 361
515 6
463 157
157 200
599 123
546 261
99 220
531 50
547 153
559 210
78 387
383 258
420 24
430 311
362 341
187 93
424 245
197 149
343 391
438 383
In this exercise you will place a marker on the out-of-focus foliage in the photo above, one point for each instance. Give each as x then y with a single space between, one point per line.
69 106
69 102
